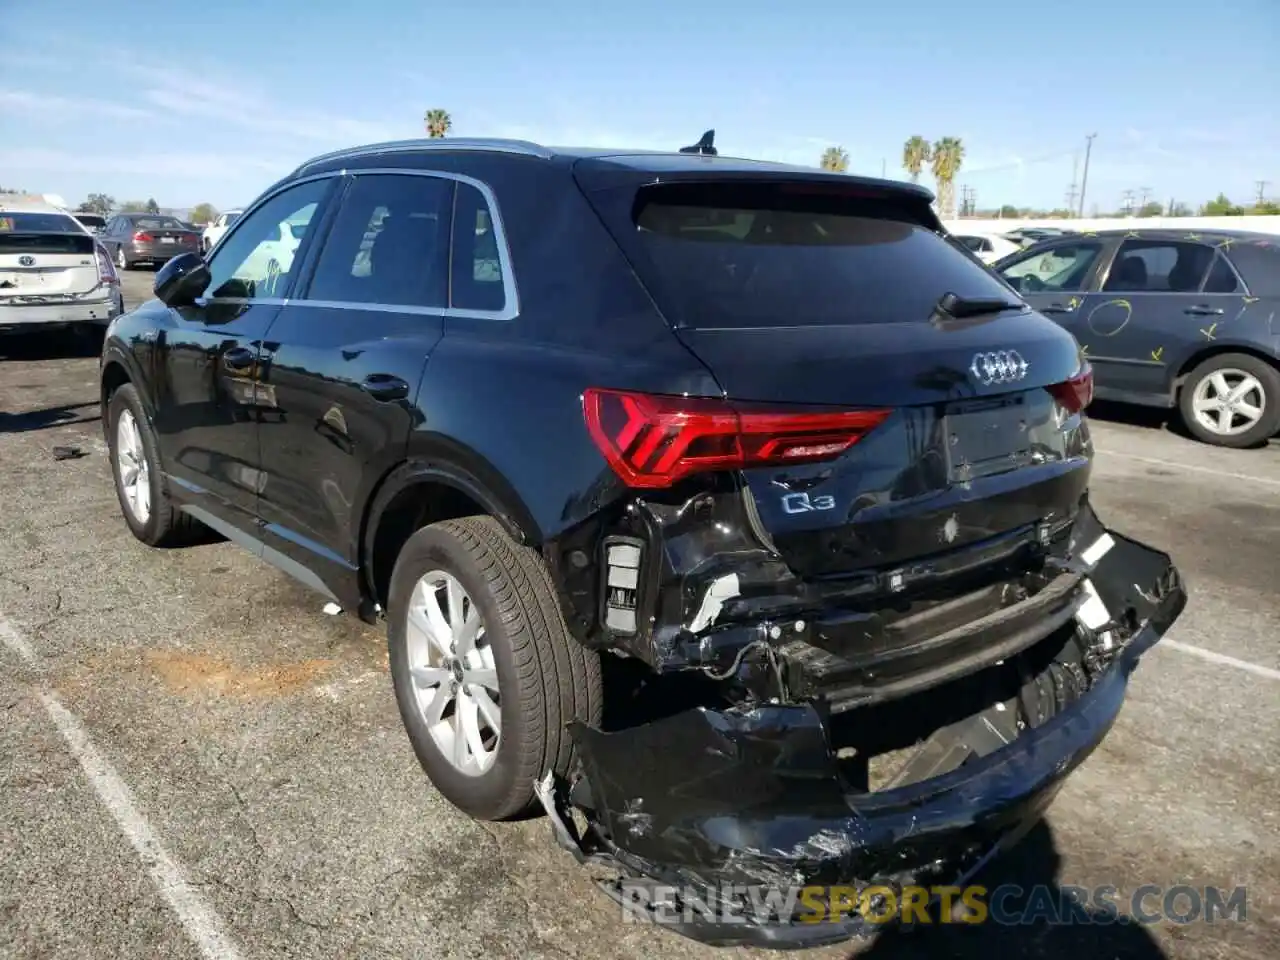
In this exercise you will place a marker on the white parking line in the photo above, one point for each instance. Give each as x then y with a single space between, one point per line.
199 920
1221 658
1172 465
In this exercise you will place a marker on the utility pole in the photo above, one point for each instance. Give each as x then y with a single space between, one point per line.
1084 182
1126 203
1262 190
1073 190
1146 195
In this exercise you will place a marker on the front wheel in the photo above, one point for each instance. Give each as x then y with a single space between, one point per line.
485 672
1232 400
149 512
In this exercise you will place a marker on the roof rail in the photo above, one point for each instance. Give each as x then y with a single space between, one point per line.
491 144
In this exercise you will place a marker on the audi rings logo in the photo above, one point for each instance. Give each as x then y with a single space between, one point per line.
25 261
998 366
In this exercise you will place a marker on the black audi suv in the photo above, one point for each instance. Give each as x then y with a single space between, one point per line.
730 512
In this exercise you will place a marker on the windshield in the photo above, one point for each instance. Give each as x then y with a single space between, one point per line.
232 218
157 223
727 255
13 221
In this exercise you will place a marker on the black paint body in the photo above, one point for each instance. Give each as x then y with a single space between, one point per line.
317 434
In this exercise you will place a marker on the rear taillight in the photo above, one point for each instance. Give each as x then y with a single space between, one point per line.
653 441
106 269
1075 394
142 237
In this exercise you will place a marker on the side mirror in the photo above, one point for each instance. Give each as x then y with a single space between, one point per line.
180 281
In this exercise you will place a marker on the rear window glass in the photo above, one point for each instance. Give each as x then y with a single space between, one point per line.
70 241
729 255
158 223
14 221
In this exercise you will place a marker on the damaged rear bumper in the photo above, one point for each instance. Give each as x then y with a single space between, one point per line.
757 795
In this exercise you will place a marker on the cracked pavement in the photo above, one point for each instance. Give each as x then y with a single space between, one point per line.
261 741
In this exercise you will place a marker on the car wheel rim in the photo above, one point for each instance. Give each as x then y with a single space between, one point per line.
454 676
135 472
120 260
1229 402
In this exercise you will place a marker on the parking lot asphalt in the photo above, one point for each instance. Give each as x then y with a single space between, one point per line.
196 761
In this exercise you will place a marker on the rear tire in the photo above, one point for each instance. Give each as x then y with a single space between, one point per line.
1257 384
160 524
545 678
122 262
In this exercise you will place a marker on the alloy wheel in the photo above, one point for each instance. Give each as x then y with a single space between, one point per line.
132 466
1229 402
455 679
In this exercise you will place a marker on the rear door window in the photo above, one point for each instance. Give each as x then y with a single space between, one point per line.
389 244
477 276
794 254
1158 266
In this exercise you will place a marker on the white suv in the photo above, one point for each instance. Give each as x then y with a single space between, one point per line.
214 231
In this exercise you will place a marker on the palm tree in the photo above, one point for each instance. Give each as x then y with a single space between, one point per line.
438 122
916 152
835 159
948 155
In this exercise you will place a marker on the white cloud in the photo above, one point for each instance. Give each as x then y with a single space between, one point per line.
54 107
145 163
250 108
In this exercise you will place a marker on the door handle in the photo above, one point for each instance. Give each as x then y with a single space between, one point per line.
384 387
238 360
1057 308
1203 310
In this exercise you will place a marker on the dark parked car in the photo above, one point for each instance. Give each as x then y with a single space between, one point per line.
134 238
726 509
1170 318
93 222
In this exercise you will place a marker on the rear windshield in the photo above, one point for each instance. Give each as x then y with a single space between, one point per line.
158 223
232 218
14 221
68 241
91 219
759 255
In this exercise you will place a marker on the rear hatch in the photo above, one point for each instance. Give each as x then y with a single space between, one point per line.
812 295
35 266
164 232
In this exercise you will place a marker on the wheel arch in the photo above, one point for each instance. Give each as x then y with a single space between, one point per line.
119 368
439 480
1215 349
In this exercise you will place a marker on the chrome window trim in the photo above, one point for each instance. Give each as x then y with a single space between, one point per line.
511 306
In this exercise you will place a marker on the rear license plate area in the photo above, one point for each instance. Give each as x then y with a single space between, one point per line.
985 438
166 240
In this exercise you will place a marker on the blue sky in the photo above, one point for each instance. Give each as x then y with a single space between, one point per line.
211 102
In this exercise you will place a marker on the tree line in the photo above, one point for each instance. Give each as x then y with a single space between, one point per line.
944 158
